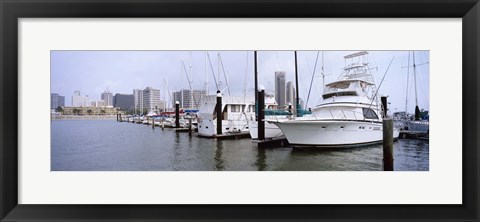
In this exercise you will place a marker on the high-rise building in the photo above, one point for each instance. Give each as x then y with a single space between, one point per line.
107 96
138 100
124 101
189 99
151 99
280 88
80 101
56 100
290 97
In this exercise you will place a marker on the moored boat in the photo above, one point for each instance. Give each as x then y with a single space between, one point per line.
349 114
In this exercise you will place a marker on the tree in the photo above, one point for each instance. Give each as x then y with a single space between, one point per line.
89 112
103 112
59 110
76 111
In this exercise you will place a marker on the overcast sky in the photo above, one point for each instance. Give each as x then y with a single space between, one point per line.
92 72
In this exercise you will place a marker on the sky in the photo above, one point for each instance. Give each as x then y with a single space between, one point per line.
92 72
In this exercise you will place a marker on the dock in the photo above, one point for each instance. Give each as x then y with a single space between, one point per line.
273 142
227 136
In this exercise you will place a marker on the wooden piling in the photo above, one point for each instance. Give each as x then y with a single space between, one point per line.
384 105
177 114
261 115
388 144
153 123
219 113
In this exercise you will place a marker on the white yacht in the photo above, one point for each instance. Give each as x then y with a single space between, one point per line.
236 111
350 113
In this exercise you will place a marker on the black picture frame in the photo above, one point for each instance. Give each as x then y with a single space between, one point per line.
11 11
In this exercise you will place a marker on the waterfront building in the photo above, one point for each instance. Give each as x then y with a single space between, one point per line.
290 97
99 103
124 101
280 88
138 101
107 96
56 100
189 99
91 110
78 100
151 99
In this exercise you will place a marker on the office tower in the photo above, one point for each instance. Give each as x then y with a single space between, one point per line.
280 88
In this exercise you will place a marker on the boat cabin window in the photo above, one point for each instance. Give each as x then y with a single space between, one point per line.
369 114
236 108
326 96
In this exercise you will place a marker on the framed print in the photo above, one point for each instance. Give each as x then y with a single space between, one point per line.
150 103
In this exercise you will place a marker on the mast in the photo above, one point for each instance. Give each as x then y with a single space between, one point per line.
296 84
256 83
417 110
408 76
181 85
323 74
191 89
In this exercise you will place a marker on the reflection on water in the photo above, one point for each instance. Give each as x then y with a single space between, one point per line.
219 162
261 158
103 145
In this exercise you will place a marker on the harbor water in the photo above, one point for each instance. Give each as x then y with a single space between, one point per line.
108 145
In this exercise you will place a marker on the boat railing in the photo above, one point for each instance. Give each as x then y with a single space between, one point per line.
342 115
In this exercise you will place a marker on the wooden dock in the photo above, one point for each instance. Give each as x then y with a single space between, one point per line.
271 143
228 136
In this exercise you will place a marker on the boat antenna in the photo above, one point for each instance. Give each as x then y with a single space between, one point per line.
380 85
313 75
224 75
213 72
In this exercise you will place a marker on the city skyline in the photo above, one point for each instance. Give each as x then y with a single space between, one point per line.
122 71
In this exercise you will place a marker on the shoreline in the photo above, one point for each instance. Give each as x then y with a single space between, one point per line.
85 117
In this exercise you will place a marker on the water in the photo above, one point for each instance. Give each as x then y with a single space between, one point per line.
106 145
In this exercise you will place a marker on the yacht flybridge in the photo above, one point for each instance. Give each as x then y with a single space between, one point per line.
350 113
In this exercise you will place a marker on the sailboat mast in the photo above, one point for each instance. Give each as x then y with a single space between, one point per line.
181 85
296 85
256 83
417 110
190 82
408 77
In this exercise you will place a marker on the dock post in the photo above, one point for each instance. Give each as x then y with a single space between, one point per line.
384 105
388 144
120 117
177 114
153 123
261 115
117 117
219 113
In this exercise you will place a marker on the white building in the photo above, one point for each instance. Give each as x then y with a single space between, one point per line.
138 100
189 99
79 101
107 96
151 99
290 93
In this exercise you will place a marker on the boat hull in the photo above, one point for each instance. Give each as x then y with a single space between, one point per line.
271 130
337 134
